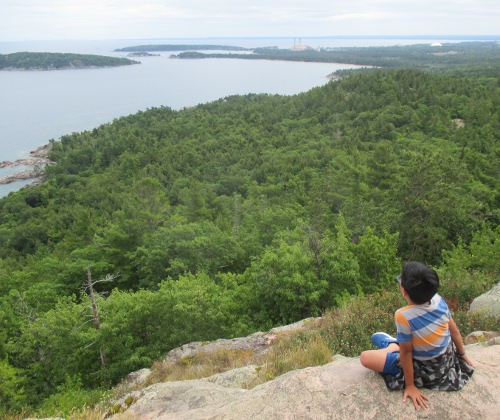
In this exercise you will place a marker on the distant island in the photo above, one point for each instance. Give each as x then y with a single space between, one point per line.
58 61
142 54
181 47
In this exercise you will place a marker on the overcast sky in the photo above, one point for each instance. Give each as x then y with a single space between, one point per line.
22 20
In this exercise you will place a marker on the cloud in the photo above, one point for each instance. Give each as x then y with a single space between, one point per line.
362 16
94 19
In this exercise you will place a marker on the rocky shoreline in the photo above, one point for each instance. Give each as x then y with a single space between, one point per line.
37 158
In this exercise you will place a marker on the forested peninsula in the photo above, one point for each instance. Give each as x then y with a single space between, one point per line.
59 61
216 221
466 56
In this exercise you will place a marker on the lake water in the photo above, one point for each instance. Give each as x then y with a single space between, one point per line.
36 106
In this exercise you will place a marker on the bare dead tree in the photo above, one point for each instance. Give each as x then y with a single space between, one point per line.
89 289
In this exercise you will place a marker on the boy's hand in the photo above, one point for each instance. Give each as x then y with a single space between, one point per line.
418 399
466 359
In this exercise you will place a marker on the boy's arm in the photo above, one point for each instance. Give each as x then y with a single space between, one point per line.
406 356
458 341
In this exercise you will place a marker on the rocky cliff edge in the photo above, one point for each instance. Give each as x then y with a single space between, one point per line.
342 389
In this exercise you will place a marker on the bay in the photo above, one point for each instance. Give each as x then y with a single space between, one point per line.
37 106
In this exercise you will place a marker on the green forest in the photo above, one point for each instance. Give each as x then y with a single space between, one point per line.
58 61
166 227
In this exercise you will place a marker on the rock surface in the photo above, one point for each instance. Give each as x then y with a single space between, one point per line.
257 343
37 158
488 303
342 389
489 337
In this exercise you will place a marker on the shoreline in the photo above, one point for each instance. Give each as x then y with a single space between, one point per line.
38 158
26 69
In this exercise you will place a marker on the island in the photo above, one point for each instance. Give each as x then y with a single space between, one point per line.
59 61
142 54
182 47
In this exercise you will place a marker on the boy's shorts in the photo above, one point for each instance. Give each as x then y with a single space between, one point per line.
390 364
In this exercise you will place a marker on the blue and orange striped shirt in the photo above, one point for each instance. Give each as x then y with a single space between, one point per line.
425 327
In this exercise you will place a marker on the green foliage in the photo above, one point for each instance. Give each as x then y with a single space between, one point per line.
11 390
70 399
200 308
285 285
482 253
377 259
185 248
470 270
470 322
51 346
436 205
461 287
342 267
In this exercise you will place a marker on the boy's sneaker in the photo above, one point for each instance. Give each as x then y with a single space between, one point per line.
382 340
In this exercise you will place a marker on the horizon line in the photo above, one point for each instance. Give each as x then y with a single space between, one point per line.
386 36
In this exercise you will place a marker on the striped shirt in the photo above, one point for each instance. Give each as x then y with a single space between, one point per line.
425 327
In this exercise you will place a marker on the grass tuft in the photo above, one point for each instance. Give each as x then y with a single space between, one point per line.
293 351
201 365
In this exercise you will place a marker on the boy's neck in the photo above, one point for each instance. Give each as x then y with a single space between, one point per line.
410 302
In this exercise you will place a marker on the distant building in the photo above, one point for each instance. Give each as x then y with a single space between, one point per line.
436 44
298 46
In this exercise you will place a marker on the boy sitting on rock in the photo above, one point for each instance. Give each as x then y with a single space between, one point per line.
428 350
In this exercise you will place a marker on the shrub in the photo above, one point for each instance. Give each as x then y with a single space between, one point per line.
347 330
469 322
460 287
71 400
